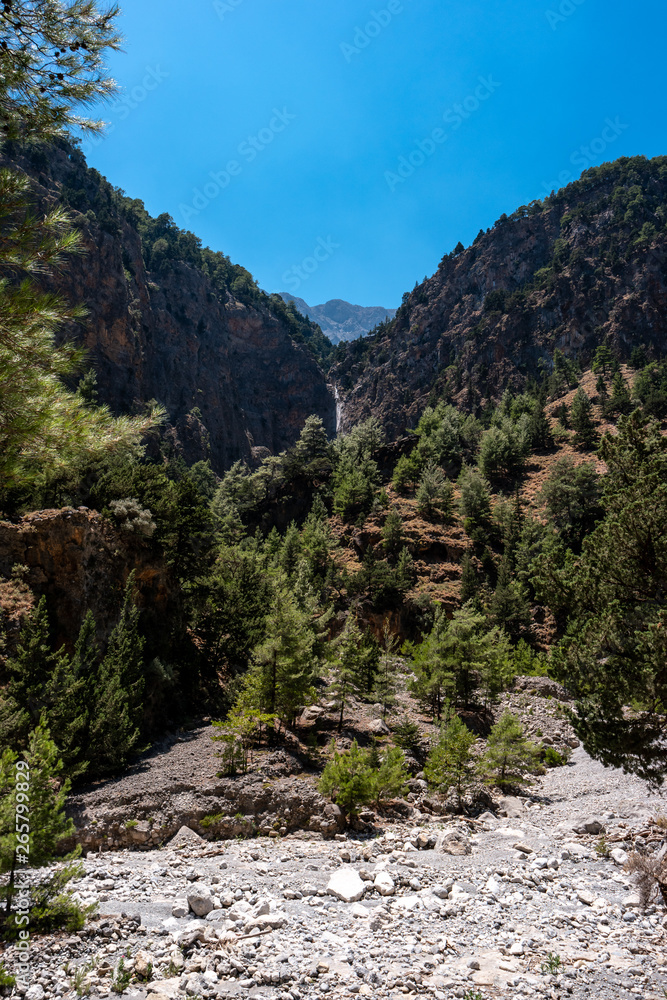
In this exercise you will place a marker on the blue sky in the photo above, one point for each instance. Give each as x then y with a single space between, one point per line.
338 150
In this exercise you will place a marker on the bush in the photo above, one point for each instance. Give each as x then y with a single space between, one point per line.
130 516
359 777
552 758
348 779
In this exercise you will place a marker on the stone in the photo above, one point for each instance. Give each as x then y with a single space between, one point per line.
591 826
585 897
180 908
378 728
36 992
619 856
345 884
186 838
357 910
384 884
510 807
426 841
143 963
523 848
455 842
200 901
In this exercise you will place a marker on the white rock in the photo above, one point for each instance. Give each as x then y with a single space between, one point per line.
180 908
384 884
619 856
358 910
143 961
200 901
35 992
585 897
346 884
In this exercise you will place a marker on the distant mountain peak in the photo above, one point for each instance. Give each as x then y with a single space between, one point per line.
340 320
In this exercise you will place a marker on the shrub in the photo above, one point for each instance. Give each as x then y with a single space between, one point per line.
130 516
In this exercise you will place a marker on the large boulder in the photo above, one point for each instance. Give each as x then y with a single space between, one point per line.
200 901
346 884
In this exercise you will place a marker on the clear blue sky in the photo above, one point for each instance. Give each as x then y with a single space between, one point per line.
314 104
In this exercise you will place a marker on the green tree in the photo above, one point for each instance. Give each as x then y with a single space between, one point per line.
475 654
509 605
619 401
386 681
32 808
604 360
582 420
450 763
389 780
508 753
348 675
434 494
614 653
393 535
311 452
285 664
469 579
406 472
475 497
116 693
572 495
434 679
348 779
50 62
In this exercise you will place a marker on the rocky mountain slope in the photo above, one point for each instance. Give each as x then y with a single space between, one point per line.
172 322
586 266
340 320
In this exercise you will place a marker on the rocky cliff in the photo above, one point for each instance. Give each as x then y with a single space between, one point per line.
219 355
584 267
340 320
80 563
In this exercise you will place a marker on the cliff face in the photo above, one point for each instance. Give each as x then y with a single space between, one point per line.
229 373
341 320
587 266
79 562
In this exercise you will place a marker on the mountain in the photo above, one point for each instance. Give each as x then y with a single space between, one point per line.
586 266
339 320
236 369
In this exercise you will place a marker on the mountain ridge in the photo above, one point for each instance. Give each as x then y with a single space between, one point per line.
339 320
586 266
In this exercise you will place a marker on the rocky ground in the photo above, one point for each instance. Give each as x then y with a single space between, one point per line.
518 903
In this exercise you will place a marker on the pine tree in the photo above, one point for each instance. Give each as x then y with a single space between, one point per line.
393 535
34 797
450 763
347 669
620 401
509 754
509 605
50 61
389 780
386 682
31 669
70 687
582 420
434 494
348 779
115 694
406 472
285 664
469 579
